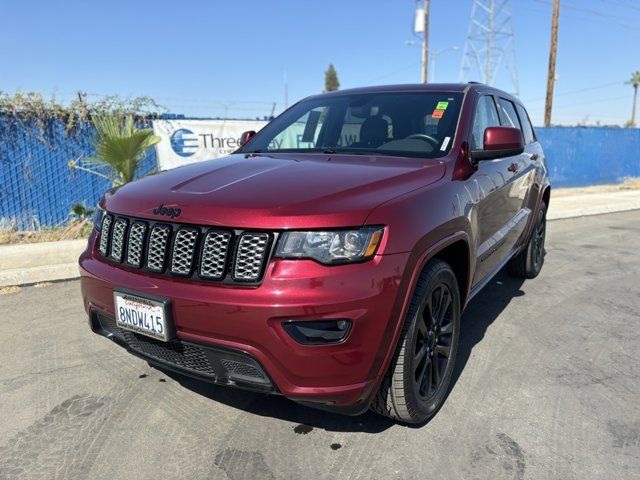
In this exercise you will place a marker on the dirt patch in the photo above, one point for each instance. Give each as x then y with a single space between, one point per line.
78 229
628 184
9 290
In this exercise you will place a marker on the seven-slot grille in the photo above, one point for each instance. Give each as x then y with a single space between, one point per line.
251 250
185 250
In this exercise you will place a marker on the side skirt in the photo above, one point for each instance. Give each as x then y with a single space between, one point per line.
487 278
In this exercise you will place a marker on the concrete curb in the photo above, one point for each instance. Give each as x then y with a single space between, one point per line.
43 262
39 262
582 205
45 273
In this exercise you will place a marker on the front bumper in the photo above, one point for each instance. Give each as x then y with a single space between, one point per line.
247 321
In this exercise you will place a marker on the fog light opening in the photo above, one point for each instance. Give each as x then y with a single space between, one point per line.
318 332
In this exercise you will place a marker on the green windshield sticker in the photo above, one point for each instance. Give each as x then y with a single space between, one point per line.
442 105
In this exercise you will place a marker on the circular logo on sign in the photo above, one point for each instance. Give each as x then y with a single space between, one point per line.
184 142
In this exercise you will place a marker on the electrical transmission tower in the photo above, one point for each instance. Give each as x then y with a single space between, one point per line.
489 51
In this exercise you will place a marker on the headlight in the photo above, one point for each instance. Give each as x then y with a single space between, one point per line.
331 247
97 218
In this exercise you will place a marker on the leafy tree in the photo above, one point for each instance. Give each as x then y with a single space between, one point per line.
634 81
331 82
120 146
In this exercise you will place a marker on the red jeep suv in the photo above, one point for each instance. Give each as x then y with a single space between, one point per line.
329 258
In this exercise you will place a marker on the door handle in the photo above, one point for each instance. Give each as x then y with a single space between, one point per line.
513 167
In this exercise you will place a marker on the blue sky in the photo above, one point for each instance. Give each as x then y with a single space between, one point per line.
202 57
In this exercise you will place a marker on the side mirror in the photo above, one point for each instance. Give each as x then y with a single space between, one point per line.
246 136
500 142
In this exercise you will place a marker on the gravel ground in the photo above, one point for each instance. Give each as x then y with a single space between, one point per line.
547 386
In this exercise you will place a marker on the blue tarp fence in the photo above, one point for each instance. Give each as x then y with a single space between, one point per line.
581 156
38 188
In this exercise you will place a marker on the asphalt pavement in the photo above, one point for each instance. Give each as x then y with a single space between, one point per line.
547 386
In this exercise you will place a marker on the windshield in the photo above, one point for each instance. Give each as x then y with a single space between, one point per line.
408 124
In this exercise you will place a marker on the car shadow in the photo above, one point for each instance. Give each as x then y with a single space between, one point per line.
277 406
480 313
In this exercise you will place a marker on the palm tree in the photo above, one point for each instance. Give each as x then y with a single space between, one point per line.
120 146
635 83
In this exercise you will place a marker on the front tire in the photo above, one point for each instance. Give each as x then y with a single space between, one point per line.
419 376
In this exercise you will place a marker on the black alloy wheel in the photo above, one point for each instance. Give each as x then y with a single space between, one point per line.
537 239
419 376
432 348
528 263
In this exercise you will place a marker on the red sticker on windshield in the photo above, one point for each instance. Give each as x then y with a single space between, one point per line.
437 113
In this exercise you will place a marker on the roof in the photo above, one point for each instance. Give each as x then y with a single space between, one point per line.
409 87
422 87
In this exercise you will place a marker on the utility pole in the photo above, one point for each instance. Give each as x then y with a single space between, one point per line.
425 42
551 78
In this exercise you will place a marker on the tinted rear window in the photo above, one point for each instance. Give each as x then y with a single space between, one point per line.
527 129
508 116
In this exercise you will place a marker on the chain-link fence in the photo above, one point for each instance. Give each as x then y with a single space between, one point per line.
37 186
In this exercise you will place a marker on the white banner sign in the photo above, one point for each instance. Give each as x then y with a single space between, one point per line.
189 141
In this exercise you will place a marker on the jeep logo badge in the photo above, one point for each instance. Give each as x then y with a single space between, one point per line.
167 211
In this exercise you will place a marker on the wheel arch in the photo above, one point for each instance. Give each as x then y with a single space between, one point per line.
458 257
546 195
456 248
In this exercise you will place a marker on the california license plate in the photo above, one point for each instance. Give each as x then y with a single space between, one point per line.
142 315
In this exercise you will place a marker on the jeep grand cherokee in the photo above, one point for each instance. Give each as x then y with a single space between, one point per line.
330 257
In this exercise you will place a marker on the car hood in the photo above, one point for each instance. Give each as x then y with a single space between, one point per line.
275 191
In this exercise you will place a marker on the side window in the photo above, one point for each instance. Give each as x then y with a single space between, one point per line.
486 116
508 115
527 129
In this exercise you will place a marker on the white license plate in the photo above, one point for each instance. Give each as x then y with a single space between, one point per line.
141 315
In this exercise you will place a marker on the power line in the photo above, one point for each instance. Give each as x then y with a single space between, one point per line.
581 90
620 3
401 69
600 100
591 17
590 11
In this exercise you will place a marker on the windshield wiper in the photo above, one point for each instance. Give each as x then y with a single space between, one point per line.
329 150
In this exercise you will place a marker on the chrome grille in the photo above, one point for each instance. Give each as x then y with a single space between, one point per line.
220 255
252 248
183 247
104 235
136 240
117 238
214 254
157 252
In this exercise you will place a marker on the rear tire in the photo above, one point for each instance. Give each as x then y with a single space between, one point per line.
419 377
528 263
